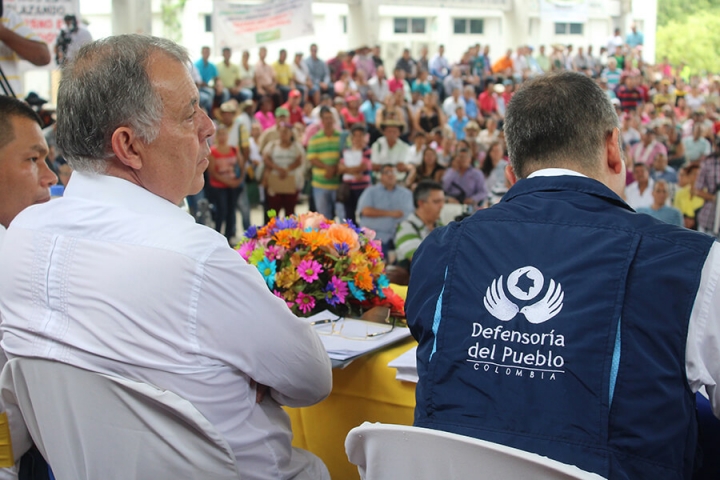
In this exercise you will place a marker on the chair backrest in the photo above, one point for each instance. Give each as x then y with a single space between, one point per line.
90 426
399 452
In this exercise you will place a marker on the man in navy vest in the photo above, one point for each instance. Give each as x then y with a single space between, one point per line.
559 321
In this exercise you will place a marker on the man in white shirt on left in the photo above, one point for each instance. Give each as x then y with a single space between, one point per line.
25 180
133 286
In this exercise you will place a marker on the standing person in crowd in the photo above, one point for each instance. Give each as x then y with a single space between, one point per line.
686 198
439 68
355 168
707 186
383 206
493 168
265 80
662 171
407 65
430 116
319 75
543 60
639 193
19 42
247 76
351 114
301 76
429 169
293 107
389 149
659 209
416 150
462 183
423 62
628 93
282 115
364 61
697 148
265 116
379 84
377 58
370 109
283 75
634 38
71 39
191 317
283 159
226 173
457 122
648 148
429 199
229 73
598 408
323 153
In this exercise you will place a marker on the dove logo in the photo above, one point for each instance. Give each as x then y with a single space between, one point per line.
524 284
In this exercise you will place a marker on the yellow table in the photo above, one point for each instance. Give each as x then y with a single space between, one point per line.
364 391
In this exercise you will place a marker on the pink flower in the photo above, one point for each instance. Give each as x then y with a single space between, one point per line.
273 252
309 270
246 249
312 220
339 290
305 302
370 234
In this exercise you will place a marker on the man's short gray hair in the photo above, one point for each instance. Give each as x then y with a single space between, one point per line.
558 120
106 86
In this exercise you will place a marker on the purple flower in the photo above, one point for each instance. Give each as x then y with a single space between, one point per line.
352 225
342 248
284 224
251 232
336 291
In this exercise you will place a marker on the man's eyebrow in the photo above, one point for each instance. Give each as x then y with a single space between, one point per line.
40 148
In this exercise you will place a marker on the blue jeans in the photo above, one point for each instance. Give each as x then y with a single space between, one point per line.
243 204
325 201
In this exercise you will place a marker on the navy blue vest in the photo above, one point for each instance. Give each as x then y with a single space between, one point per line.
556 322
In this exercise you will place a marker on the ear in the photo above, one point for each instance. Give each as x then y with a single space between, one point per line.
510 175
127 147
615 160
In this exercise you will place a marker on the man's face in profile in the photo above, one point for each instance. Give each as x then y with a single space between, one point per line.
25 178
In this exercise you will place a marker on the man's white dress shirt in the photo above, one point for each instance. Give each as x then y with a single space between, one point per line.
114 279
702 351
636 199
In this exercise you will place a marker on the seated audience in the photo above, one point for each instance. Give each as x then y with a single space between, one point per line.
662 171
355 168
639 193
429 169
429 200
463 183
686 199
659 209
383 206
389 149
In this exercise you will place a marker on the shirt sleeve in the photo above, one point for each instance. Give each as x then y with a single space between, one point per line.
702 354
242 324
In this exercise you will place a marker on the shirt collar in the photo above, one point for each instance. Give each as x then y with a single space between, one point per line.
116 191
555 172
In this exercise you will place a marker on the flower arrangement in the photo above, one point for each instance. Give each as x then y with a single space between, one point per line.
314 264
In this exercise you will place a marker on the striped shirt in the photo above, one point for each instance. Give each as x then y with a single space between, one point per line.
9 60
327 150
409 235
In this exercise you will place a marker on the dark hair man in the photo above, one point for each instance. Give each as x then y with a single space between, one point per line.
559 321
429 199
149 294
25 178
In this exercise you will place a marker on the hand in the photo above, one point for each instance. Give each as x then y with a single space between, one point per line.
398 213
401 167
260 391
330 171
469 201
451 200
323 85
283 172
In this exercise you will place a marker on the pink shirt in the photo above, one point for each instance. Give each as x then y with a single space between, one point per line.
266 120
395 84
642 154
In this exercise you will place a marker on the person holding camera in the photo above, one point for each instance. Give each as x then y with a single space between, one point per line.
71 38
18 42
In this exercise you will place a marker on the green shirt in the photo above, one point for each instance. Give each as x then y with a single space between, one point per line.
228 74
327 150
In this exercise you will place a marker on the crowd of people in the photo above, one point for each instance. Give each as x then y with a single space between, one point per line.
325 129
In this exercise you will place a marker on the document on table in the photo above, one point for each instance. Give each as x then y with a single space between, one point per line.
406 365
347 338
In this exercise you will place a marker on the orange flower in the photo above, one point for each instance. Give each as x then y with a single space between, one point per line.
315 240
287 238
339 234
363 279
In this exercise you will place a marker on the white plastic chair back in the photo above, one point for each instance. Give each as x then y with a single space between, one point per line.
449 212
399 452
90 426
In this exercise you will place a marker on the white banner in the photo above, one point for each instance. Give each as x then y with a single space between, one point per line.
244 26
44 17
573 11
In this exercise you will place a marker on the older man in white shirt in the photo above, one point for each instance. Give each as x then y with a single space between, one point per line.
133 287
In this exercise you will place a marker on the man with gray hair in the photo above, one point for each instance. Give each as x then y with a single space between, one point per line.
133 287
559 321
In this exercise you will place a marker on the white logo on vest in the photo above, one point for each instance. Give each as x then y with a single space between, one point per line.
524 284
504 351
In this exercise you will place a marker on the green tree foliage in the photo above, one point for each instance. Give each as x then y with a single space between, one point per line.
172 11
669 10
693 39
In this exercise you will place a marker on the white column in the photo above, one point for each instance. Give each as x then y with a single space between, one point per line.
363 23
131 16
